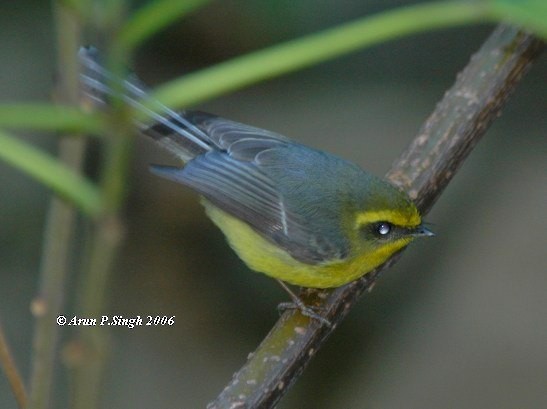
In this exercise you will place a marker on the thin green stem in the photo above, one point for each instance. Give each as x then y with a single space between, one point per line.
88 373
531 14
80 7
58 234
49 117
115 170
45 168
315 48
104 241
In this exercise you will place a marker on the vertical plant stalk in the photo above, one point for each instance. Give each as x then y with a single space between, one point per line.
10 369
92 346
423 171
105 238
59 229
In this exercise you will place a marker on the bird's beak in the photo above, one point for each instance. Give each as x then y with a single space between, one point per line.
421 231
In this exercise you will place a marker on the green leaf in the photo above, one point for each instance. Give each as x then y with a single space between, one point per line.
49 117
151 18
531 14
312 49
50 172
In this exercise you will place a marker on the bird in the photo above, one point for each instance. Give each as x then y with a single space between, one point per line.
300 215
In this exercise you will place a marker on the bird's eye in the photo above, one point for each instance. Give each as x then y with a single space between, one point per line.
383 228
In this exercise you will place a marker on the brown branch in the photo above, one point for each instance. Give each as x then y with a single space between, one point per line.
423 171
10 369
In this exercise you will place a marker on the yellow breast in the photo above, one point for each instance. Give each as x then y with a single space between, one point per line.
264 256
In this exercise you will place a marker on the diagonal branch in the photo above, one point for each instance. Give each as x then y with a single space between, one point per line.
7 363
423 171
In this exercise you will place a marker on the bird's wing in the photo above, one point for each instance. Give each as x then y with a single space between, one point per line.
241 189
231 177
223 132
188 134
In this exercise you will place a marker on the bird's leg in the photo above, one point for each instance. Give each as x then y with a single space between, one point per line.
298 304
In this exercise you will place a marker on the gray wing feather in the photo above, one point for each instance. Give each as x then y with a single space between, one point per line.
231 176
225 132
242 141
236 187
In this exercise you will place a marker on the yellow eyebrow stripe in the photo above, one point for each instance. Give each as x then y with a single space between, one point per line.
393 217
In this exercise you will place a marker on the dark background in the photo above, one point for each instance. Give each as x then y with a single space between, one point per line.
459 322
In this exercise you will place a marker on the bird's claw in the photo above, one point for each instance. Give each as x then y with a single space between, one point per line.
308 311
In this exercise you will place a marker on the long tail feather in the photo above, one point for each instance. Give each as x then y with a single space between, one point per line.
170 129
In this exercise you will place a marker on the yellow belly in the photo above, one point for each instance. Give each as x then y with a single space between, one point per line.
264 256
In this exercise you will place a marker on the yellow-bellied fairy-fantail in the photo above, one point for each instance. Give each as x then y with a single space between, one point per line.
294 213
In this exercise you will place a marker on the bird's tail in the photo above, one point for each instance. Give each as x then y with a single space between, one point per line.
170 129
